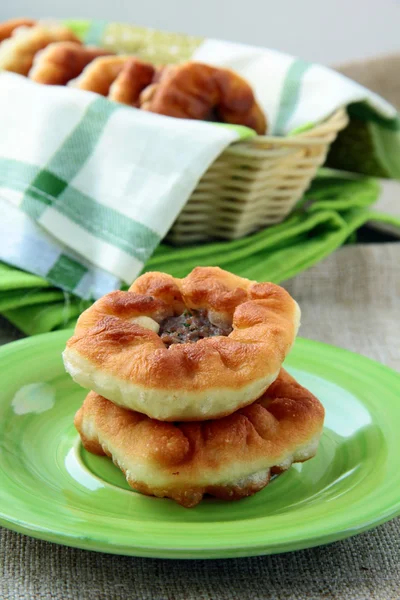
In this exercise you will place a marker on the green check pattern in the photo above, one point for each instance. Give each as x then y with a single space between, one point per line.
66 200
67 161
67 271
330 213
51 187
89 215
290 94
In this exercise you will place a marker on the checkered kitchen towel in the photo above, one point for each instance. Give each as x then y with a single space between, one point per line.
88 187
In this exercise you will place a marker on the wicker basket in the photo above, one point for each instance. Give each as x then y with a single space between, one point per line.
253 183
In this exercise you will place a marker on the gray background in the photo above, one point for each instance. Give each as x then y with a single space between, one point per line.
311 29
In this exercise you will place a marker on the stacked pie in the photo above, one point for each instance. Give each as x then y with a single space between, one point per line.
187 391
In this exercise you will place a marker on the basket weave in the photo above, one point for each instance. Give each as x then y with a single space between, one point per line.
253 183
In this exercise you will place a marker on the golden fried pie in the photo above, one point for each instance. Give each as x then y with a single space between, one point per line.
121 78
8 27
99 75
134 77
229 458
17 53
197 91
60 62
186 349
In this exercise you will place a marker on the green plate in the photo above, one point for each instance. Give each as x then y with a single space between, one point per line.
52 489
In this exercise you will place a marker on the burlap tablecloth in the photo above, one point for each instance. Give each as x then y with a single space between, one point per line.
352 299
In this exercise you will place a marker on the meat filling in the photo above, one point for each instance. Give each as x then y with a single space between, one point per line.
191 326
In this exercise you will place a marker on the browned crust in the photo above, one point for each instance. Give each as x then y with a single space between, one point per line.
284 420
101 73
7 28
263 315
22 49
131 81
188 498
198 91
60 62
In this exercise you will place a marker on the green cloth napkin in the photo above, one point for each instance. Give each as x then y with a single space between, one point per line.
369 144
327 216
46 317
12 279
